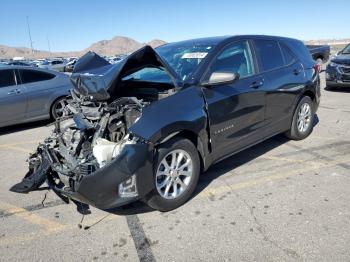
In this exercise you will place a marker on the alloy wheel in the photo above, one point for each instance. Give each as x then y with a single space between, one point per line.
304 117
59 107
174 174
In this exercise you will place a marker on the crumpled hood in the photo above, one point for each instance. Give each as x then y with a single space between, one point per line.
96 78
343 59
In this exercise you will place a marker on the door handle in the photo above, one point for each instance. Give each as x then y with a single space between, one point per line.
297 71
256 84
14 92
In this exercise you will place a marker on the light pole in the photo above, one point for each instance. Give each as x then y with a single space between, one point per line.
30 36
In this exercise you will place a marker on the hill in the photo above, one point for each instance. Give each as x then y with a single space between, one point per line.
117 45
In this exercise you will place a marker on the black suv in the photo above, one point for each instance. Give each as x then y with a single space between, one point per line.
146 127
338 70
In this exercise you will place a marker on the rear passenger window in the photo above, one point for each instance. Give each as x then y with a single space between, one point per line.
289 57
269 54
7 78
29 76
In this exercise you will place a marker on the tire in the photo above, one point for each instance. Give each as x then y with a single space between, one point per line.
331 88
297 130
161 200
55 111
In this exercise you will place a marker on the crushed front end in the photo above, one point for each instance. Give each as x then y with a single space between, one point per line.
91 157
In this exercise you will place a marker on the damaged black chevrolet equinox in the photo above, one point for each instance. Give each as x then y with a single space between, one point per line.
146 127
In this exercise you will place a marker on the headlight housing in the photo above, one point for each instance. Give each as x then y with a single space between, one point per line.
333 64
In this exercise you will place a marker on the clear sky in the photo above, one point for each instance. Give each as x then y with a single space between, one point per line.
73 25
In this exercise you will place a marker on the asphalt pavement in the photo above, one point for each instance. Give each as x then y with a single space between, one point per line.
278 201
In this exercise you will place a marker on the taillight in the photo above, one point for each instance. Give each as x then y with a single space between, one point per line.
317 68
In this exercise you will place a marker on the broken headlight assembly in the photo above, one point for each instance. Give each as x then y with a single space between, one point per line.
128 188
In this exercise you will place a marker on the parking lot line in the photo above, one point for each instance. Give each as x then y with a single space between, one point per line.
48 225
277 176
36 235
290 160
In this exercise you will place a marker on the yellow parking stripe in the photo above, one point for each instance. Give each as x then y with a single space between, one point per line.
41 234
254 182
48 225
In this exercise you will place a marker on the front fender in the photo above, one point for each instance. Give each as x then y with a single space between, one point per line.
184 110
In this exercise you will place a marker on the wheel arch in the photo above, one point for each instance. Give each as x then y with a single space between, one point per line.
320 57
310 94
194 138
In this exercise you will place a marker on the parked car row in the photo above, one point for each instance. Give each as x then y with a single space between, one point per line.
58 64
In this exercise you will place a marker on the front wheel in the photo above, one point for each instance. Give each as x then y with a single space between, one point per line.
303 120
176 174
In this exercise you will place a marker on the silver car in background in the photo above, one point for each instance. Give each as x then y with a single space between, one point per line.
28 94
56 64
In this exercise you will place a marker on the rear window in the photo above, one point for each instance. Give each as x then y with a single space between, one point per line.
7 78
29 76
269 54
289 57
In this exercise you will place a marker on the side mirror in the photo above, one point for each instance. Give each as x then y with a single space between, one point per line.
219 78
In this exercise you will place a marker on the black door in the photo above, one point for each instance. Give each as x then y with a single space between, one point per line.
236 110
285 77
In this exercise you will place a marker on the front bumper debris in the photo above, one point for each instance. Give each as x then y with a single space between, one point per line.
91 157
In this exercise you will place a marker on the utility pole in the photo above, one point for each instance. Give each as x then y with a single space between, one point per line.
30 36
48 43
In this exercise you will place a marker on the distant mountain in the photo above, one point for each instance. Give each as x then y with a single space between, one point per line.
120 45
156 42
117 45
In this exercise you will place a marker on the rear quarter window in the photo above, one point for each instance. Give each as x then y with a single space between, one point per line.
289 57
30 76
269 54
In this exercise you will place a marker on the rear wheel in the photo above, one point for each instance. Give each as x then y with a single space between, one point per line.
176 174
57 108
303 120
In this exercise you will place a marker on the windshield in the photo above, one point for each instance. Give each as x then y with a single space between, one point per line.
149 74
346 50
184 59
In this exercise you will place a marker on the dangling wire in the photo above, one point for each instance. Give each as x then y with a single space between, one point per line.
42 202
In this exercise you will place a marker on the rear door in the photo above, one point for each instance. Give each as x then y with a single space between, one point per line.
236 110
39 86
13 100
284 79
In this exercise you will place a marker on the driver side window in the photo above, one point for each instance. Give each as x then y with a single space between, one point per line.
235 58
